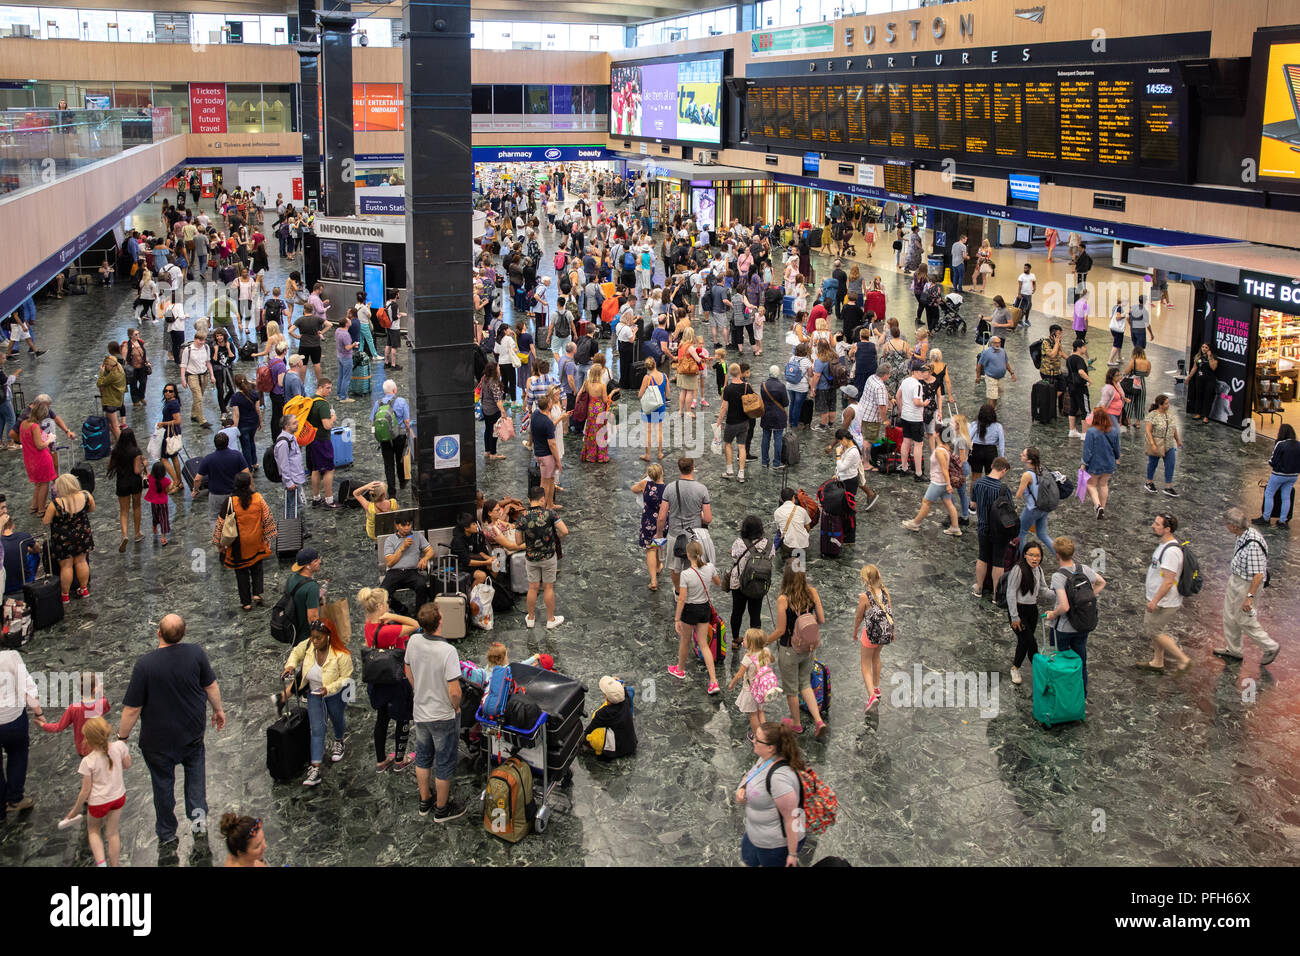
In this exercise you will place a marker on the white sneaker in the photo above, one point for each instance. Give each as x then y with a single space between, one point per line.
555 621
1074 434
728 474
740 476
910 525
530 621
1015 676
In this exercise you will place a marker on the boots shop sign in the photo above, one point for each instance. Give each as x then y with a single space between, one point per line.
1272 292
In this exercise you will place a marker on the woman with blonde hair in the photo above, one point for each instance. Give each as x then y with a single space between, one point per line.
688 382
821 384
694 613
855 280
651 490
957 434
273 338
103 790
38 453
595 433
391 700
874 626
68 516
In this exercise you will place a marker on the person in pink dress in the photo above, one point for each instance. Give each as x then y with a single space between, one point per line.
37 457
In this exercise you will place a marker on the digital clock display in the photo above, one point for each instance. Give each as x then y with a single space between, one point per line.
1160 89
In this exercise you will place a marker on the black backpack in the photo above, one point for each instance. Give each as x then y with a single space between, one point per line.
1189 579
1004 513
284 617
1082 614
756 575
270 467
273 310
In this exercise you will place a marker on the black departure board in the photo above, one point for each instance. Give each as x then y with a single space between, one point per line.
898 180
900 117
1125 121
817 113
836 118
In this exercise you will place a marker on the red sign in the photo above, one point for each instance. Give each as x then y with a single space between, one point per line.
208 107
297 187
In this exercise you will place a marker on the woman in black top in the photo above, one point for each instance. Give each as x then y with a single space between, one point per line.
224 357
1279 495
751 543
247 419
1203 385
126 465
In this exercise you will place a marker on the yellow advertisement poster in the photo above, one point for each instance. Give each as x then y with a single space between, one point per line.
1279 149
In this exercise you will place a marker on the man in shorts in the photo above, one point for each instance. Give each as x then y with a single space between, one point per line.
310 327
433 668
393 339
733 421
1163 597
320 453
546 449
993 366
685 507
911 409
541 529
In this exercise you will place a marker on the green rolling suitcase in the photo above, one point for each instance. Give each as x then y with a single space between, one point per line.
1058 686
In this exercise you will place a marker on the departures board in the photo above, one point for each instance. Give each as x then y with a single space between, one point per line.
1127 122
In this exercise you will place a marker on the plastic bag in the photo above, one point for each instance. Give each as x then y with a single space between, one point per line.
480 605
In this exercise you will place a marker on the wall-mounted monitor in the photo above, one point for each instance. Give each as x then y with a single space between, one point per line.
812 164
670 99
1275 107
1023 187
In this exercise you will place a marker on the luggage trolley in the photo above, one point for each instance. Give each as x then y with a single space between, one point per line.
550 746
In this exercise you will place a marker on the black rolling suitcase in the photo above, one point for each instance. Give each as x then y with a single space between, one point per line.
42 596
832 535
1042 402
288 536
562 698
85 475
190 471
288 744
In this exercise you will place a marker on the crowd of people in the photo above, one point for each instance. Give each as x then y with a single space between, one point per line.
844 387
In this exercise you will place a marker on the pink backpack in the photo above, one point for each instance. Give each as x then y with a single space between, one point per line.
807 633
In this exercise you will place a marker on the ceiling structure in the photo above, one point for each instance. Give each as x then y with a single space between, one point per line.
566 11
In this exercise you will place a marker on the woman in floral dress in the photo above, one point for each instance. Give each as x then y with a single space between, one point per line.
595 435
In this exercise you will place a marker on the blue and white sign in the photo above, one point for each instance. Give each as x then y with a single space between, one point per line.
812 163
382 205
1024 187
446 451
540 154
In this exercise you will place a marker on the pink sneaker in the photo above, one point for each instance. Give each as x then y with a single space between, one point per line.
714 688
797 728
677 672
704 403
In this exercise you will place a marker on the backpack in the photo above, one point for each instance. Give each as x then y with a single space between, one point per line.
1049 493
1004 513
834 498
1036 353
805 501
807 634
298 407
265 380
284 617
500 686
839 372
509 808
817 801
270 467
1189 580
1083 602
385 422
756 575
793 371
559 260
273 311
382 318
562 327
629 262
765 687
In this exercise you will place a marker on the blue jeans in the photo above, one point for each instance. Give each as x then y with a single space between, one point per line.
752 855
796 406
964 492
14 741
8 420
958 276
1285 484
318 709
778 437
1077 642
247 446
1169 456
1033 518
162 773
345 378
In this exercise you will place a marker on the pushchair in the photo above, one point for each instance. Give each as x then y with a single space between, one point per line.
950 319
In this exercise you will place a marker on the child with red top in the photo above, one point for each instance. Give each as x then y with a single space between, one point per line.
394 701
93 704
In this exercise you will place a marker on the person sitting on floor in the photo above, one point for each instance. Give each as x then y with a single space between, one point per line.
611 733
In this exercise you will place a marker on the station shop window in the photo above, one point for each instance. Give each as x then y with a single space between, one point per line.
127 95
176 96
537 100
507 100
279 107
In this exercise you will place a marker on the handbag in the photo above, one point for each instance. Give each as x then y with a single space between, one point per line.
1117 323
505 428
154 447
229 525
651 398
751 403
173 444
387 666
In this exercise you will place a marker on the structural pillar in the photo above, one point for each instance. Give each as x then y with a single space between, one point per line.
336 100
439 241
309 120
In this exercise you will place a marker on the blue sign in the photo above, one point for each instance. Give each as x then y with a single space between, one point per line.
446 451
847 189
381 205
812 164
539 154
1024 186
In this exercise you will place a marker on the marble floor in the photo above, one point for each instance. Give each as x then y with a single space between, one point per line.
1199 768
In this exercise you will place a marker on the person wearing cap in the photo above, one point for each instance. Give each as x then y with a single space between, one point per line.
611 733
305 590
995 365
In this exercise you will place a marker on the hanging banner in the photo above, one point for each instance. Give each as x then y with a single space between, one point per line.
796 40
208 107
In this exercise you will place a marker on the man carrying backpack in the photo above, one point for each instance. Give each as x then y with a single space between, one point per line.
1075 615
1164 594
391 418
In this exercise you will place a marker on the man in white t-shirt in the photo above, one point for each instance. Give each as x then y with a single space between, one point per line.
1163 596
911 406
197 374
1025 298
433 668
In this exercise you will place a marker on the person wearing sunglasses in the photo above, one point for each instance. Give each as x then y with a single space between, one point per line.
771 794
245 840
324 666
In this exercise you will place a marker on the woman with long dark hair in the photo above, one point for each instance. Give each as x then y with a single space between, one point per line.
987 440
1032 517
1026 587
1203 384
491 395
224 358
1100 458
797 598
126 464
255 528
1279 493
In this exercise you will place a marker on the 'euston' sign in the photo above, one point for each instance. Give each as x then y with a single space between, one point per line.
1273 292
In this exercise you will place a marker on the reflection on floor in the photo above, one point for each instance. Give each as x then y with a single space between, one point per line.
1199 768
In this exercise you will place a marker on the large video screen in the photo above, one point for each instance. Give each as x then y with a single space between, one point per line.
1276 81
679 99
1126 121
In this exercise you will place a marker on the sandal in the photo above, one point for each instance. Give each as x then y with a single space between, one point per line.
121 548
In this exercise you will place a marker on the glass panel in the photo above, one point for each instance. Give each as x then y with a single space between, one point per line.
526 36
94 25
130 95
275 30
134 27
481 99
379 30
566 100
497 34
279 107
476 28
611 36
177 96
555 36
243 108
207 28
537 100
508 100
27 16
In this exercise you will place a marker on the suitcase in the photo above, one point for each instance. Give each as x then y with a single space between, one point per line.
94 438
44 601
1269 509
544 337
534 472
344 490
361 379
453 604
86 475
638 376
821 688
563 699
16 547
288 537
831 536
190 471
787 306
341 438
1042 402
288 744
806 413
1058 686
790 448
519 572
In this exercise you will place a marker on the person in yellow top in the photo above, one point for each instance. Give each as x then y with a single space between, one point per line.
112 388
326 670
373 498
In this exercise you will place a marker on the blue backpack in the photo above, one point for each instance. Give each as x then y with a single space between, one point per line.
793 371
94 438
629 261
500 686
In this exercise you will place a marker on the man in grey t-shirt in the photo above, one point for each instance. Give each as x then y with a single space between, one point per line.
685 507
407 554
959 257
433 668
1068 638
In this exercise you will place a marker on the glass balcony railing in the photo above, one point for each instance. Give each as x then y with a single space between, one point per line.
37 147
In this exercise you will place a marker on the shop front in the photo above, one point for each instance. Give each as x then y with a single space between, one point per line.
531 166
712 195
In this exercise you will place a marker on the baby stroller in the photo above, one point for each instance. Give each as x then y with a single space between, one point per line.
845 238
950 319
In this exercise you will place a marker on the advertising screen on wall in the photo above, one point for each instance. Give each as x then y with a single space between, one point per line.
1275 105
676 99
1125 121
1023 187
